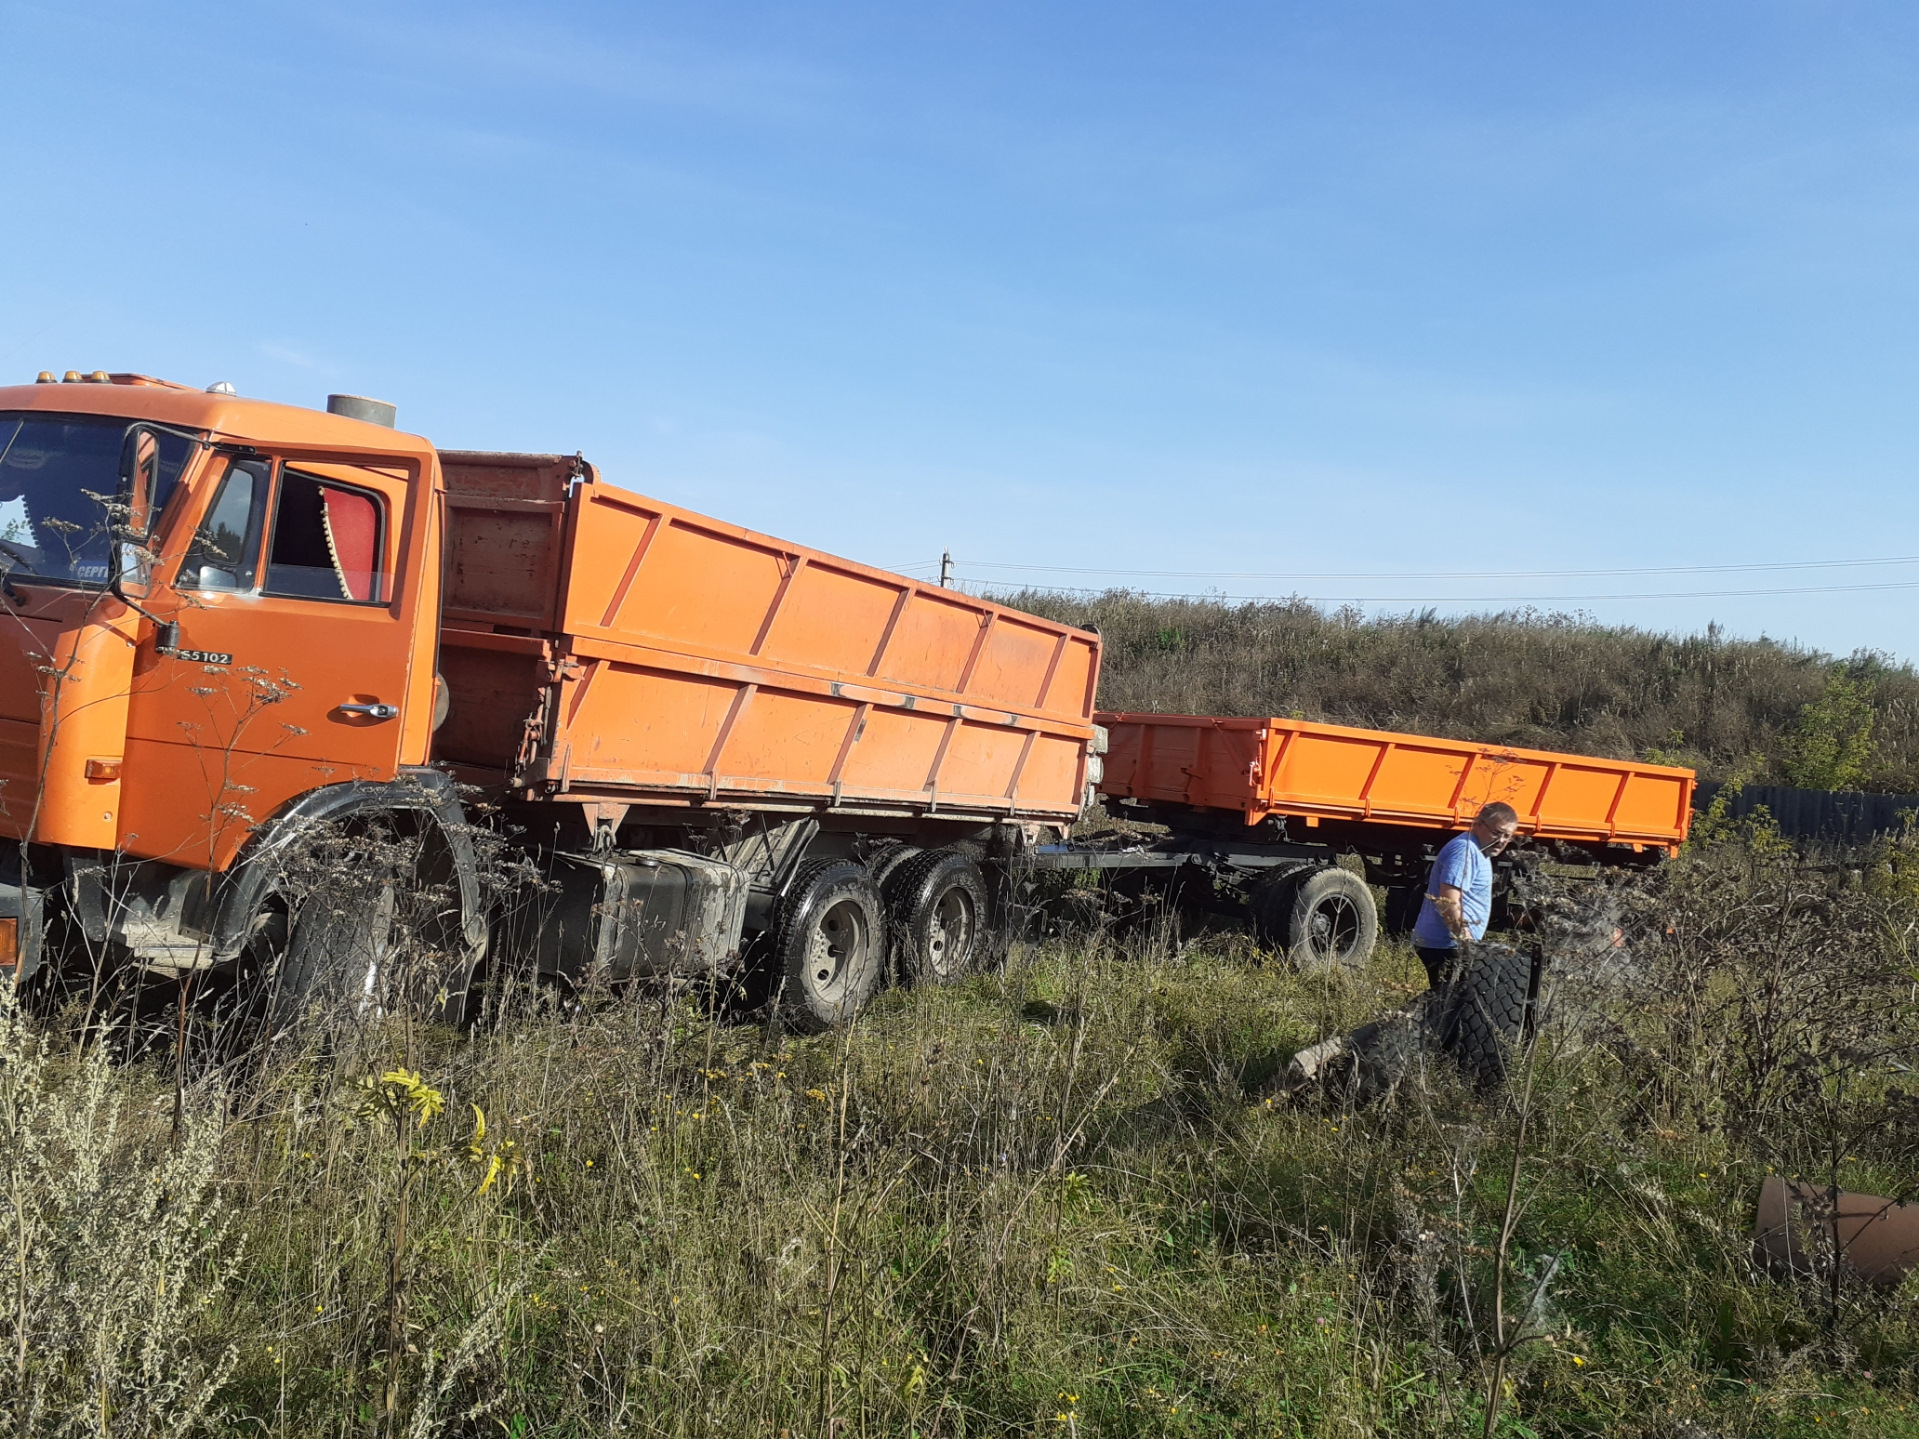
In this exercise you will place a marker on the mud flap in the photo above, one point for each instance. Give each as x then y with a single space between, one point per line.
23 909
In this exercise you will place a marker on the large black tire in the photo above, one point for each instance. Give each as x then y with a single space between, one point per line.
937 909
1403 903
887 862
1333 923
333 972
1482 1019
829 947
1380 1055
1271 906
355 954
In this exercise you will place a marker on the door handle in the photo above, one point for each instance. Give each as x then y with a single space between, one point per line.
371 711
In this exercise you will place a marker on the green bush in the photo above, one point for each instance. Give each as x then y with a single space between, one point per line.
1524 678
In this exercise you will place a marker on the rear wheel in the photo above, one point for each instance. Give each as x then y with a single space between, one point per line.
1333 922
937 905
829 944
884 865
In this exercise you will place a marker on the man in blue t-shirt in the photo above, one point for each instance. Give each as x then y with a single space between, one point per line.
1459 892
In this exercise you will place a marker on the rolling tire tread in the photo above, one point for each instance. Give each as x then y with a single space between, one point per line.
1483 1020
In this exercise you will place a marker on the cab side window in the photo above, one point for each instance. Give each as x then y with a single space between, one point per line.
329 541
226 548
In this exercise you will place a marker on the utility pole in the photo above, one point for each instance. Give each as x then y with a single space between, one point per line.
946 568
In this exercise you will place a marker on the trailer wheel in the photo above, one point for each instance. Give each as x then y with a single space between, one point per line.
830 944
1270 903
1402 908
1333 921
937 908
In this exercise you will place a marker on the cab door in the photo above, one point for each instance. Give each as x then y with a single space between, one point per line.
296 648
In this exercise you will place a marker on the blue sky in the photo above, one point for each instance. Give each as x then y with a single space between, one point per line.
1282 290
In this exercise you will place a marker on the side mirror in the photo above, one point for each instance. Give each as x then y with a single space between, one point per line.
131 520
130 526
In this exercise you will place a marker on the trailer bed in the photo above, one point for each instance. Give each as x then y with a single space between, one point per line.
1262 768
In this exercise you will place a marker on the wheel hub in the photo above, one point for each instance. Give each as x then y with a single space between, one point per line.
951 929
836 945
1333 927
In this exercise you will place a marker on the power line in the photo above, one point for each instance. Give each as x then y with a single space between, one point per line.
1441 574
1006 587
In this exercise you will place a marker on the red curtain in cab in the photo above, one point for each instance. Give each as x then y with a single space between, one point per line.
353 537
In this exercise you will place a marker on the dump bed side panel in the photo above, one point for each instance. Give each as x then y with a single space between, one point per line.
1334 771
693 661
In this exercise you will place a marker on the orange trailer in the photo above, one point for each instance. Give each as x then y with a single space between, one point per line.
1287 769
1291 824
234 635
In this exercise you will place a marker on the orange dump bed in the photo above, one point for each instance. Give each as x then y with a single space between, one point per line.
602 646
1263 767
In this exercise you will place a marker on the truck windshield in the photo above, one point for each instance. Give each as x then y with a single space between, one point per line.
58 476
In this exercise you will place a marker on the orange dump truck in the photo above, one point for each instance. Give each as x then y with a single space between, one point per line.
1259 811
235 636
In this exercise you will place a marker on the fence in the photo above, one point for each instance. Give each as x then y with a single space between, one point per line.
1834 815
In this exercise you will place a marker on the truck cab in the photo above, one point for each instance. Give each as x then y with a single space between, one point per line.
213 607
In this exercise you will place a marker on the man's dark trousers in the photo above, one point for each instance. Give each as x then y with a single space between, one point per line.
1439 964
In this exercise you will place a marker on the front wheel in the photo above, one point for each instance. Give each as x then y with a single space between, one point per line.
372 950
334 971
829 945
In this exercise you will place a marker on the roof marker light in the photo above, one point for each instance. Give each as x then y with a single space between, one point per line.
45 377
72 377
222 387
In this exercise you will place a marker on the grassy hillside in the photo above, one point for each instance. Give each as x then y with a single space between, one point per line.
1049 1201
1771 711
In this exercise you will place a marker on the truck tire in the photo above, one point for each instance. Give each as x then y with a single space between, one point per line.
1379 1056
829 947
333 969
1333 923
1482 1019
887 862
936 908
355 954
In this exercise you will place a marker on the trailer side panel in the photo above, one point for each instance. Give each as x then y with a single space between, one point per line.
1272 766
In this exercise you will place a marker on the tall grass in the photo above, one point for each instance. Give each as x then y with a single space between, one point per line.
1056 1199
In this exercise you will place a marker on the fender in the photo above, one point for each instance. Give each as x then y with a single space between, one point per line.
418 790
